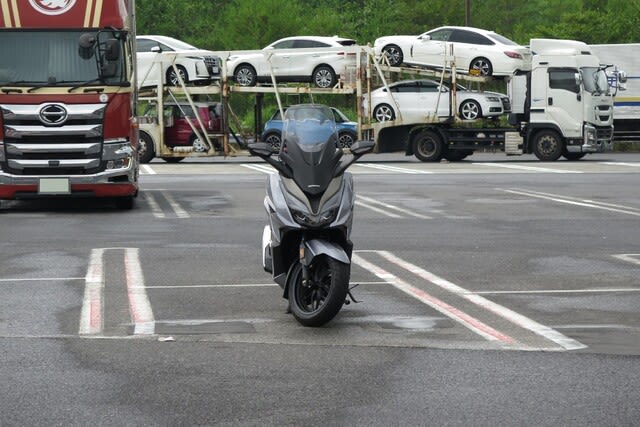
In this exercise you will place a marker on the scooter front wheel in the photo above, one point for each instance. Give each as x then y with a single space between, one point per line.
317 302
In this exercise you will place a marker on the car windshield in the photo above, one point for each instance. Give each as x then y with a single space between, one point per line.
595 80
310 127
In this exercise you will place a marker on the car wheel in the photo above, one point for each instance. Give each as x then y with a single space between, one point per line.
384 113
547 145
482 65
324 77
172 76
199 145
245 75
146 150
470 110
345 139
393 54
274 140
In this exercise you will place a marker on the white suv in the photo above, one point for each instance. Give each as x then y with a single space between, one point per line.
320 60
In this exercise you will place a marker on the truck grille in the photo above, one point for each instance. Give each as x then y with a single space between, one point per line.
66 141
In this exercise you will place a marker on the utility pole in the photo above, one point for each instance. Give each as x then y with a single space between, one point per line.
467 13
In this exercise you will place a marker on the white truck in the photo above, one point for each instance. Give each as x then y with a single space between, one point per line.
626 109
562 107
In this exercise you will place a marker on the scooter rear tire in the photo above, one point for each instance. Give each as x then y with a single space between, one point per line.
318 303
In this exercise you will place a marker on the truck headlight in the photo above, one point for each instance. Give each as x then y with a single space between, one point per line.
590 135
117 153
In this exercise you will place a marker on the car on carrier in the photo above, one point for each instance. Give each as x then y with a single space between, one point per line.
318 60
347 130
417 100
179 120
193 65
476 51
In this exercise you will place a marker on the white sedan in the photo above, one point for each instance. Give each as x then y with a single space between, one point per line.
320 60
425 101
192 64
489 53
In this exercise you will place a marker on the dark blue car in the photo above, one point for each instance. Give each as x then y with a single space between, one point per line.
347 130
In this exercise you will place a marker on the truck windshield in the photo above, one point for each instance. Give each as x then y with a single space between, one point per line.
595 80
54 58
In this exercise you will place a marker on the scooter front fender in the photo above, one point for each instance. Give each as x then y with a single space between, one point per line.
316 247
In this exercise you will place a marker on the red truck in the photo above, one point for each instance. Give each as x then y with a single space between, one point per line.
68 100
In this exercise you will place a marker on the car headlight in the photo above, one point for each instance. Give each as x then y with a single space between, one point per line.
493 99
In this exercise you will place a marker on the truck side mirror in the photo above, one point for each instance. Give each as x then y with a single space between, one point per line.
86 45
112 50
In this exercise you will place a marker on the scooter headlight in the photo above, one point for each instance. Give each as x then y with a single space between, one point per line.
304 218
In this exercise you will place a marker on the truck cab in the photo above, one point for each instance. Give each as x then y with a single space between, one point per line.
569 107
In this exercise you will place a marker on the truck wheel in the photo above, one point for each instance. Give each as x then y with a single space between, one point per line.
573 156
173 159
547 145
146 150
125 203
427 146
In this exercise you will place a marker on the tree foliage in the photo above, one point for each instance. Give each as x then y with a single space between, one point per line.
242 24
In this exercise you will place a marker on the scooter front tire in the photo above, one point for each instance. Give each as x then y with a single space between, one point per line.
317 304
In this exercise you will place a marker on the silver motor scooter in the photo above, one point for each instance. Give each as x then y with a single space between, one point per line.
309 203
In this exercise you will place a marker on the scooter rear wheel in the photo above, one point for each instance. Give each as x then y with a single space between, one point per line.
319 301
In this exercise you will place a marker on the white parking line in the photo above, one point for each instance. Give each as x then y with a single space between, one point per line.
527 168
392 207
155 207
180 213
572 201
378 210
389 168
92 312
632 258
634 165
147 170
260 168
461 317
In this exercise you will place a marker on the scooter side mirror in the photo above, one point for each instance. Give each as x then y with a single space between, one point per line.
360 148
261 149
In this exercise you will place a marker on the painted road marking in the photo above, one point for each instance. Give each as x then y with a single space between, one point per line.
573 201
157 210
147 170
632 258
459 316
260 168
389 168
375 209
390 206
634 165
526 168
92 313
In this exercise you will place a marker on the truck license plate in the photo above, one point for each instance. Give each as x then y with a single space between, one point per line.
54 186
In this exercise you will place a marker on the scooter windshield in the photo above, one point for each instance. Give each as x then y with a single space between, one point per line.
309 138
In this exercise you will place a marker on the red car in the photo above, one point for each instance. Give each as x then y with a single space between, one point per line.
177 131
